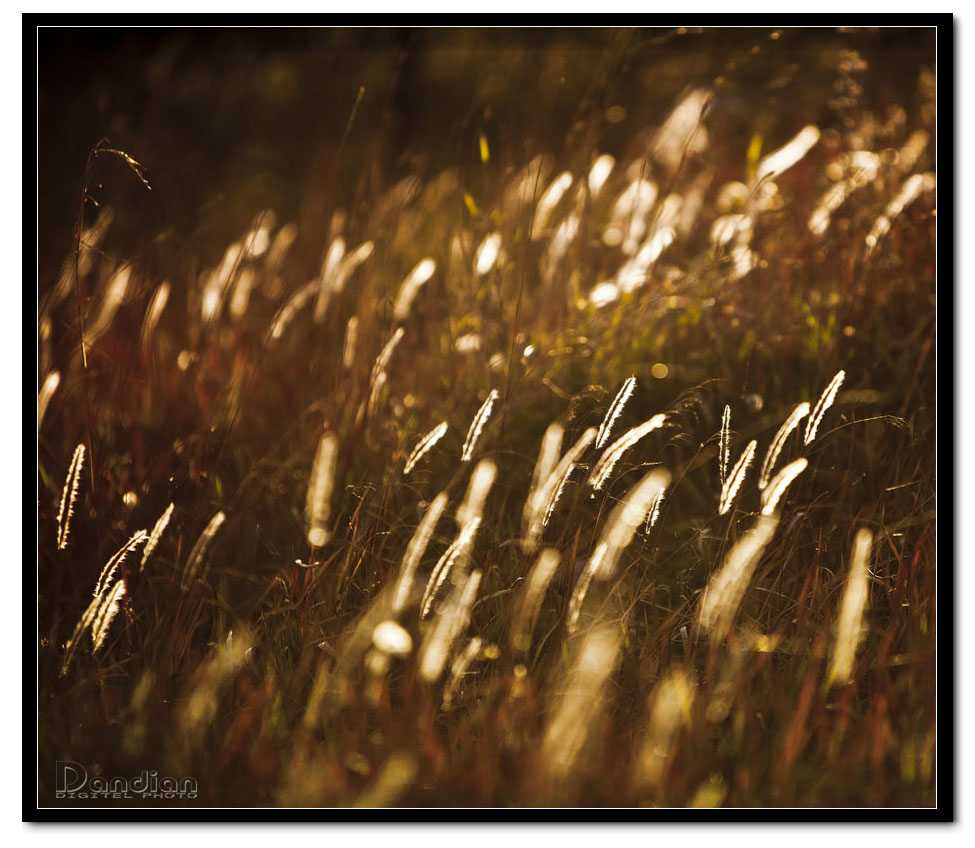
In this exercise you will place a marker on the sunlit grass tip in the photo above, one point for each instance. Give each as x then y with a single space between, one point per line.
477 425
778 442
615 408
69 496
776 489
849 625
320 485
612 455
825 402
424 446
156 535
733 483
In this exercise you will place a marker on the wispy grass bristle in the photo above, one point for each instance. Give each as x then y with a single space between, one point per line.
777 487
424 446
477 425
69 496
612 455
825 402
320 485
615 408
778 442
156 535
734 480
849 624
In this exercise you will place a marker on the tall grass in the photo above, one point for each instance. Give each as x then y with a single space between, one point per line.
584 320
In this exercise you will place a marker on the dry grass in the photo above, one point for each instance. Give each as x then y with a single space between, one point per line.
311 627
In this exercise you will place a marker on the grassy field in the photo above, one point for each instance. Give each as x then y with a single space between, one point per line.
442 441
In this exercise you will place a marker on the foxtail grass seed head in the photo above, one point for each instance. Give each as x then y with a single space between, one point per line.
458 668
482 479
110 567
683 133
849 625
49 387
910 191
790 424
198 556
626 517
386 354
450 623
392 639
581 700
539 577
487 253
350 264
477 425
351 338
105 614
213 676
292 306
776 489
789 154
733 483
670 710
554 486
615 408
71 646
395 777
548 457
69 496
457 554
156 535
424 446
599 173
653 514
153 313
415 550
410 286
326 280
724 591
613 454
115 293
548 201
318 500
825 402
724 445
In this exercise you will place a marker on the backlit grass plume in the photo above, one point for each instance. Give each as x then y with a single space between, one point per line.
539 577
776 489
197 560
457 554
849 625
724 591
156 535
449 624
424 446
552 489
615 408
724 445
548 458
320 484
790 424
69 496
415 550
607 462
105 614
825 402
580 700
733 482
477 425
